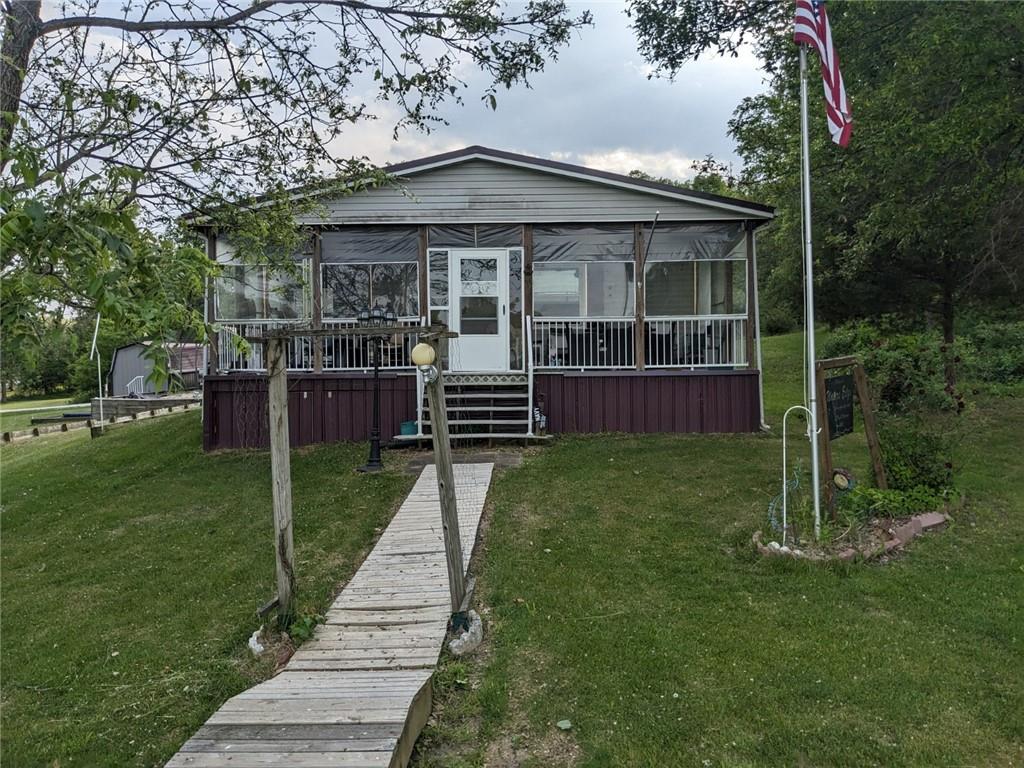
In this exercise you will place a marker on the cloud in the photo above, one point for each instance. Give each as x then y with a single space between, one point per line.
595 105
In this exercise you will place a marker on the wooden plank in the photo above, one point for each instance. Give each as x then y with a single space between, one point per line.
339 732
289 745
297 759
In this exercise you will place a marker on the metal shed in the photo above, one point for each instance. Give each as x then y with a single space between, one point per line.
130 369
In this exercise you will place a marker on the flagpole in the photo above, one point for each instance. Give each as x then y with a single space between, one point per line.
805 156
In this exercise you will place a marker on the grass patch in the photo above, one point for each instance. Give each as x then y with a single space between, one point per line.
12 422
132 567
622 594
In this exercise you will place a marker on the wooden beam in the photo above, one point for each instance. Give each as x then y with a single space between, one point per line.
867 409
528 270
281 479
211 306
824 437
317 319
639 306
424 286
446 484
751 317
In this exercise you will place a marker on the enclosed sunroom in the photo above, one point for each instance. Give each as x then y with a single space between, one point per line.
575 311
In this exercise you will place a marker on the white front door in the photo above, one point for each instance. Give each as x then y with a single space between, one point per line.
479 309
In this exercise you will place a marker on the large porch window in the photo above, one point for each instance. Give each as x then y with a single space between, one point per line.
367 268
695 296
249 293
584 296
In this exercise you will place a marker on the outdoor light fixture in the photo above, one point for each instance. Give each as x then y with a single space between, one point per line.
423 357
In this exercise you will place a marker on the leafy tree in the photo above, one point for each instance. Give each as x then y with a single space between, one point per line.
113 126
923 214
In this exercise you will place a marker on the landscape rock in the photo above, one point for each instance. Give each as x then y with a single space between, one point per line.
254 643
932 520
468 641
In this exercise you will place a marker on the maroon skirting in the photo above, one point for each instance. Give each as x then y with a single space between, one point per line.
326 407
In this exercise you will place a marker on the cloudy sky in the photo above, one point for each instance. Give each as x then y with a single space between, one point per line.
594 106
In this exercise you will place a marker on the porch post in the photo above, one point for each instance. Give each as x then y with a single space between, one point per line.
751 309
755 294
639 348
528 270
317 318
424 285
213 352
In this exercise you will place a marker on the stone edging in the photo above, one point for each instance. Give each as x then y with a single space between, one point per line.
26 434
901 536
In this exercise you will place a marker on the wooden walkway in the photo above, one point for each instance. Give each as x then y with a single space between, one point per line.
358 693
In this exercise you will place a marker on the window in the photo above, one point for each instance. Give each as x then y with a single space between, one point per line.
557 290
591 289
254 292
683 288
349 288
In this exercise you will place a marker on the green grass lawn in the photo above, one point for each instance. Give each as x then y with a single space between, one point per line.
620 593
132 567
11 422
617 583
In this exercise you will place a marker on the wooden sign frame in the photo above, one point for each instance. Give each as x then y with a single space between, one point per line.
860 382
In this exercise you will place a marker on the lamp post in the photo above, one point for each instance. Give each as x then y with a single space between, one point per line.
374 319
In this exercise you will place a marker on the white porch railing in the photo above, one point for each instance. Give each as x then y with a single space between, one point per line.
583 343
696 342
352 353
299 349
340 353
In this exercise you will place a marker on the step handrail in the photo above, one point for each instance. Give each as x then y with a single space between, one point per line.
136 386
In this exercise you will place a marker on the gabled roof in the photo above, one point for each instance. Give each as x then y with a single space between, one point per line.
670 191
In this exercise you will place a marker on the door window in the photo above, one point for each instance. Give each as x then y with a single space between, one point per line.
478 296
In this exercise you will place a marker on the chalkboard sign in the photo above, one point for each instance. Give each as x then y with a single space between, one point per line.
839 405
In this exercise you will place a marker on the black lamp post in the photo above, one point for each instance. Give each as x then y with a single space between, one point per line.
374 319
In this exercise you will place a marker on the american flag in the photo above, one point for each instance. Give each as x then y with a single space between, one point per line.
812 28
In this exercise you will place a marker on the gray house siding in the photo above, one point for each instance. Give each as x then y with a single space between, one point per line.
480 191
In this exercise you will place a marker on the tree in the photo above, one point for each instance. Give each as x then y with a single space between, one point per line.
113 126
712 176
924 212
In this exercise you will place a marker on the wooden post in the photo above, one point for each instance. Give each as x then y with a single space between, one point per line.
824 436
317 315
639 301
867 409
446 485
212 343
281 478
751 317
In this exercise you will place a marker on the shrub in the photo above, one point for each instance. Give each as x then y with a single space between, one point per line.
906 370
919 453
999 352
777 319
865 502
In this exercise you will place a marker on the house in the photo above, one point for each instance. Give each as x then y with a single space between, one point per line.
574 311
130 369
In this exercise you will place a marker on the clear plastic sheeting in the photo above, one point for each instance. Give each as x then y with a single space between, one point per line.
255 292
583 242
697 242
355 245
475 236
